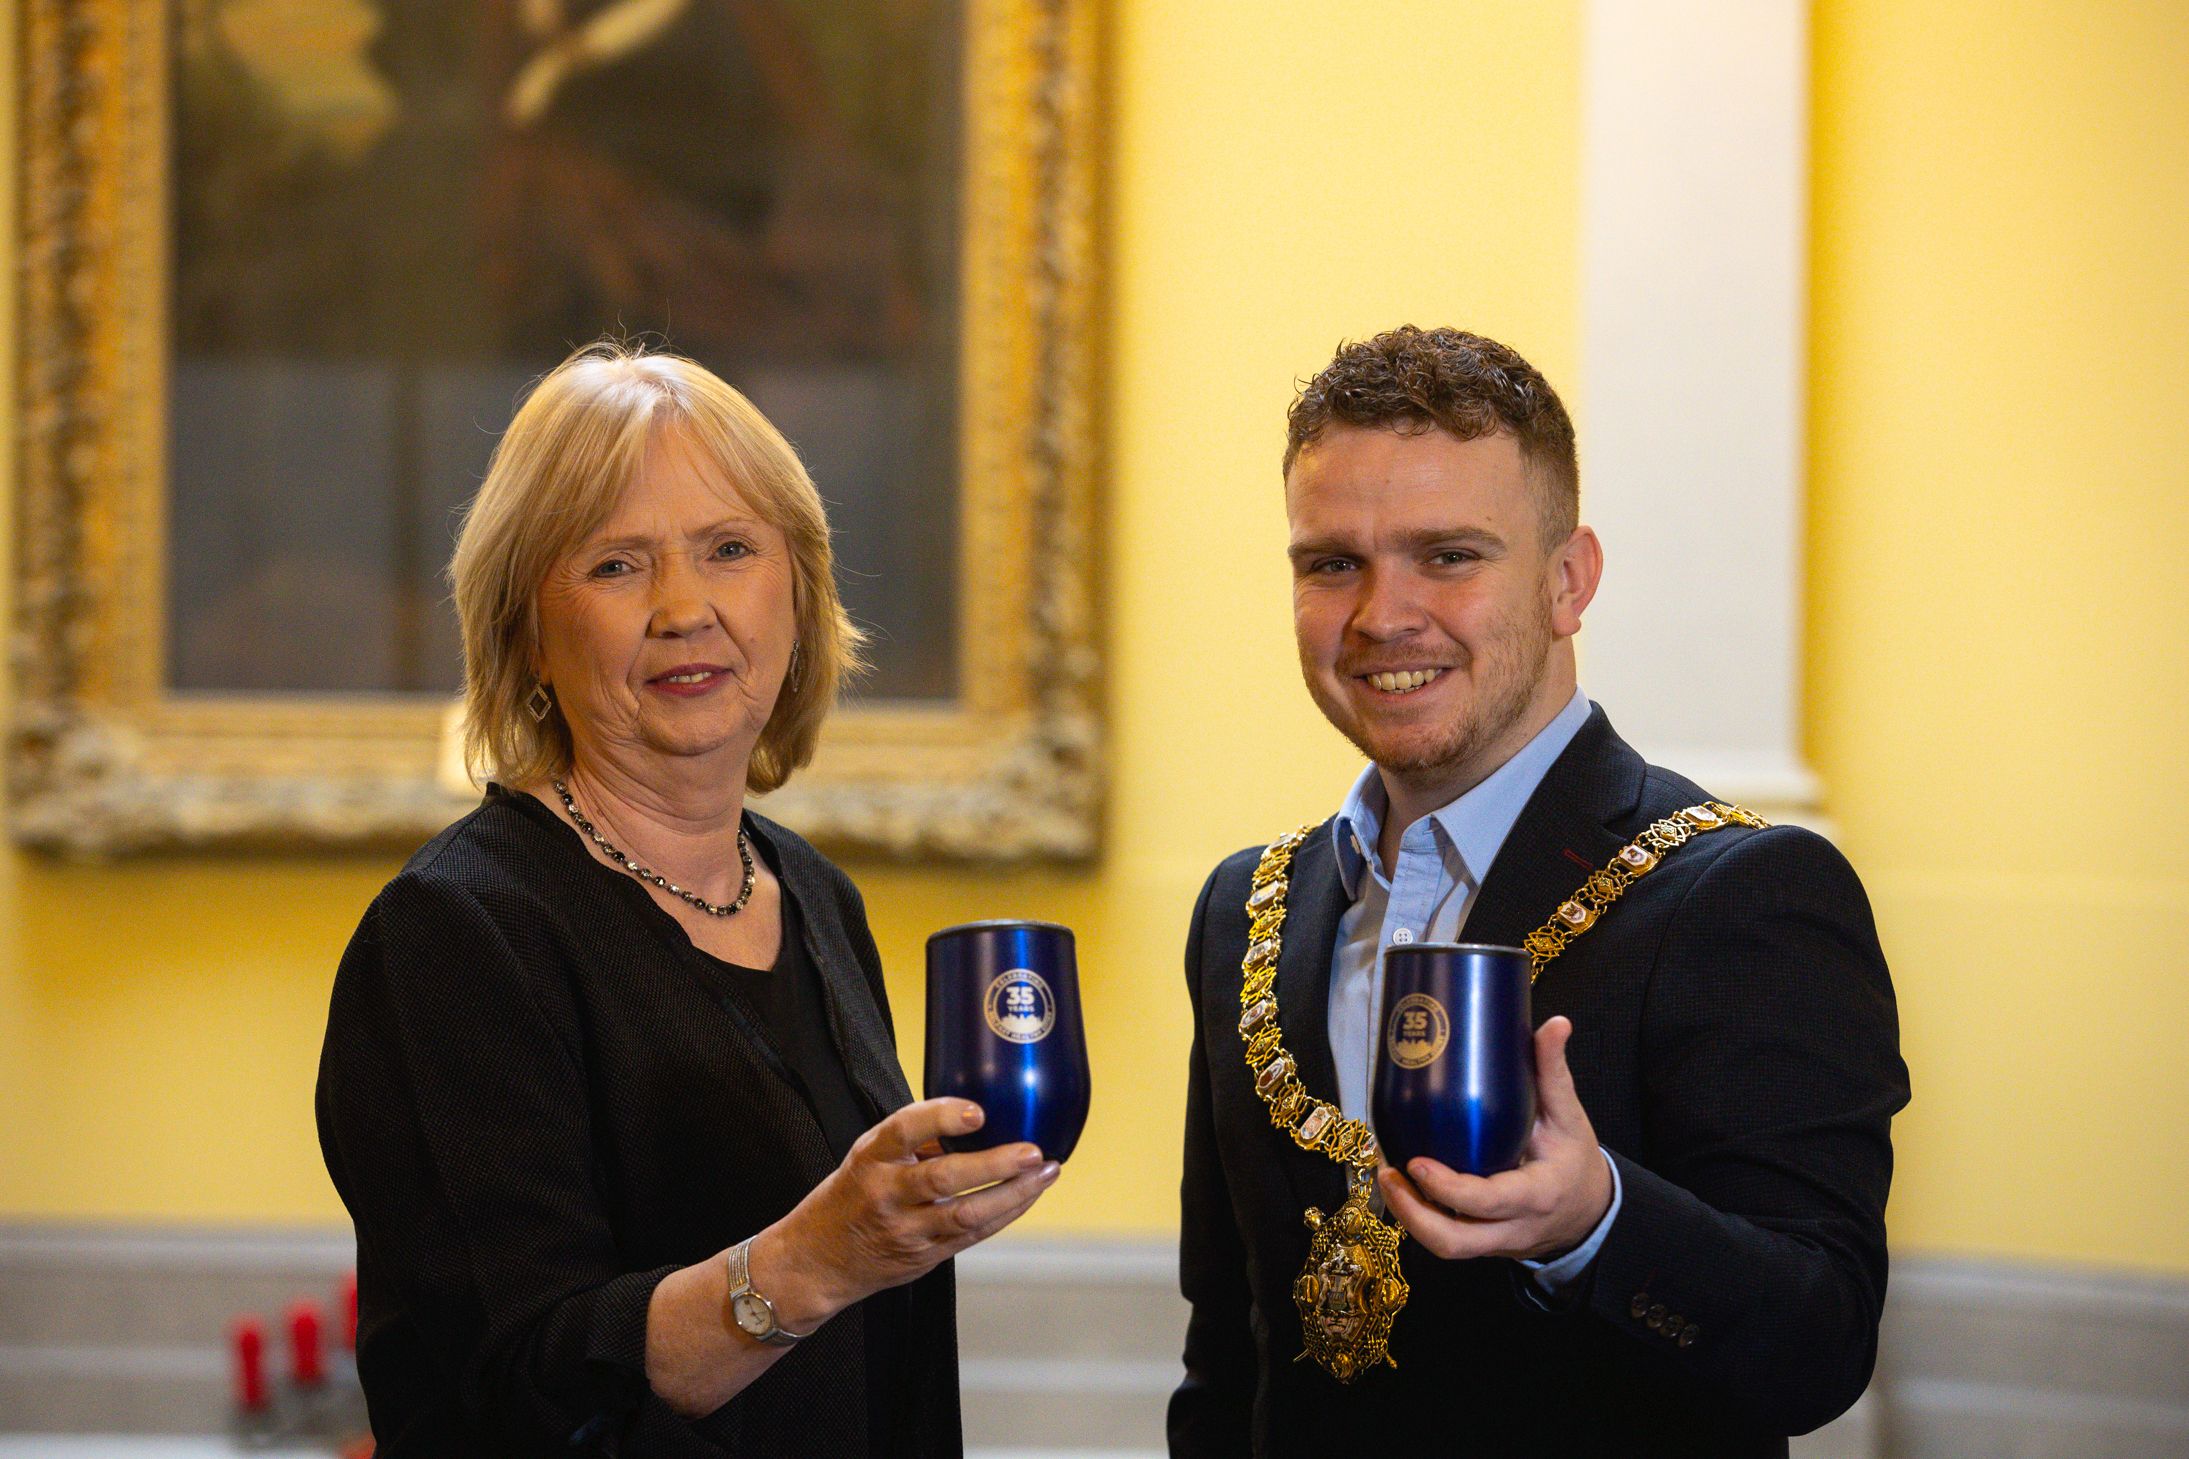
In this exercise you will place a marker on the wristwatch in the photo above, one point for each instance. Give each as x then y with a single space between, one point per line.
754 1314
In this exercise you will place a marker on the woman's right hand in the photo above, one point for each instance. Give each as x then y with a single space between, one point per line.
893 1211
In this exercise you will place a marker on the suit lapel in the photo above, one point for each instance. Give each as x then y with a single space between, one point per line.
856 1025
1567 830
1313 908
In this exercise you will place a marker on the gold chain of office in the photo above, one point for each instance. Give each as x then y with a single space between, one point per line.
1351 1288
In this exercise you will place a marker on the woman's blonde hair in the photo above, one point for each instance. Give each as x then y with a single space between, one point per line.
557 474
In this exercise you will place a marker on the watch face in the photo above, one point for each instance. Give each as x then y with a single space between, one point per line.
753 1315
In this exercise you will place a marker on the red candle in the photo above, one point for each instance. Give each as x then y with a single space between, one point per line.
346 1303
250 1353
307 1367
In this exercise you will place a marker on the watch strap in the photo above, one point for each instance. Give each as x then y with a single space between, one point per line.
739 1261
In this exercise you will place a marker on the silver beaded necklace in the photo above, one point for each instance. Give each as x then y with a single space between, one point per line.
648 874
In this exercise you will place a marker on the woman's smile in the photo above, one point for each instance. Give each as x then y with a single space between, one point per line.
689 681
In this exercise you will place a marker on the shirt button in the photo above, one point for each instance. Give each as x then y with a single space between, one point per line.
1402 936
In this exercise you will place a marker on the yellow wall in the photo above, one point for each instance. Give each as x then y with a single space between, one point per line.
1999 687
165 1016
1994 400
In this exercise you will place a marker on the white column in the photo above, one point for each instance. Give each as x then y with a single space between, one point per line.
1693 295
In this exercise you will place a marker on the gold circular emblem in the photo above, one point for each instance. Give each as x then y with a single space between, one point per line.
1019 1006
1417 1032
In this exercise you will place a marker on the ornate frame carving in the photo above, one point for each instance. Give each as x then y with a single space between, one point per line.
104 759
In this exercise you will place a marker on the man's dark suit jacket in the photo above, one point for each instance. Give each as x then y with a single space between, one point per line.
1736 1047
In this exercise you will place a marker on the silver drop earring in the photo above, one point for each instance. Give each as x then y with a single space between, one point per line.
538 702
796 677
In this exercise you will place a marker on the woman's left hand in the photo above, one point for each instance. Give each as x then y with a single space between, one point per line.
896 1209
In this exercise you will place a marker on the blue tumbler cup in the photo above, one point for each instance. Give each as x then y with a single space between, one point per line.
1455 1063
1003 1030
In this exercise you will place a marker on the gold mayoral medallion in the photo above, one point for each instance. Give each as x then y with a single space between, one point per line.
1351 1287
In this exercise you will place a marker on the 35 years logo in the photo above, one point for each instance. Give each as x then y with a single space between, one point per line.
1019 1006
1418 1031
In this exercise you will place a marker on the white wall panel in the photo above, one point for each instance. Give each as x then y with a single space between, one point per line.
1694 297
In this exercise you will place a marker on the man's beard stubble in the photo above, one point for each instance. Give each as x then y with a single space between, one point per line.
1503 696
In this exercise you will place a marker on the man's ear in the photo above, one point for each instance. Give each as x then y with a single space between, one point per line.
1575 570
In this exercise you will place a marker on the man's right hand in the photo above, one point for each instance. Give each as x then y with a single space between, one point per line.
1544 1208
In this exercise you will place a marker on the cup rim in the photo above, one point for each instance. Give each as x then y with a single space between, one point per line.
1453 947
991 922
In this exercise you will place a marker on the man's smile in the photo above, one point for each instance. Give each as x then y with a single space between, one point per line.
1401 681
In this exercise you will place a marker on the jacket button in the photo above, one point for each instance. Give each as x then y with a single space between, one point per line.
1674 1325
1656 1318
1689 1333
1639 1307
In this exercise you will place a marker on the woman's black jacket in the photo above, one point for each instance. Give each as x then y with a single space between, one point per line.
536 1107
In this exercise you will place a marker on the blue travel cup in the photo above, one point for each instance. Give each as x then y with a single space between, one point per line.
1455 1057
1004 1030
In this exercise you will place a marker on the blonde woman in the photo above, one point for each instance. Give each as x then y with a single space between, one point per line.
609 1084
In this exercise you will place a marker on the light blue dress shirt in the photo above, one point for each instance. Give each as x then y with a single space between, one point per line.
1442 860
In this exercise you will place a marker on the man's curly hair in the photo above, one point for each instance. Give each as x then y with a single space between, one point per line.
1411 380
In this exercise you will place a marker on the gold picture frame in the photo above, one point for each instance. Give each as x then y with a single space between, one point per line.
105 759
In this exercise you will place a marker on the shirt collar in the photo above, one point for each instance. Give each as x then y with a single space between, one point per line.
1476 824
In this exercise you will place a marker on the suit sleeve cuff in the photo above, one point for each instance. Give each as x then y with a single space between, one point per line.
1553 1277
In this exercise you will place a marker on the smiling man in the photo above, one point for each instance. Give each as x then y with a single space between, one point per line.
1690 1257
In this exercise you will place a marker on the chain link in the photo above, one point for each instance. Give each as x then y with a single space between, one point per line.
1316 1124
1632 862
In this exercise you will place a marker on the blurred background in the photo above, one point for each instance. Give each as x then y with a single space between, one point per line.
1926 366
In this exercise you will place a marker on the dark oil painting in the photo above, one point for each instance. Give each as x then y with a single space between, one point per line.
389 216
